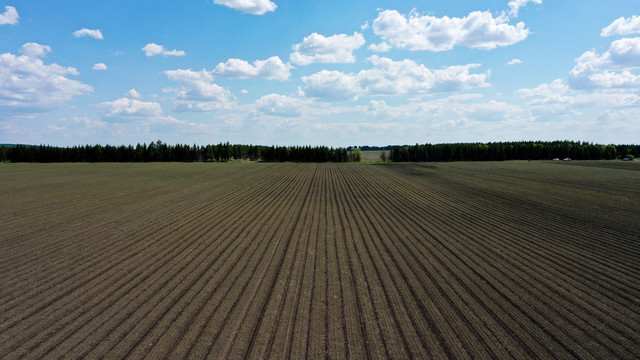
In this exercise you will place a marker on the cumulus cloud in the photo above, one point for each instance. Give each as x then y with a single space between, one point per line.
9 16
594 70
388 77
552 92
382 47
280 105
99 66
254 7
131 116
27 85
332 85
514 62
558 97
125 107
515 5
197 91
606 79
152 49
478 30
96 34
133 93
272 69
407 77
623 26
35 50
316 48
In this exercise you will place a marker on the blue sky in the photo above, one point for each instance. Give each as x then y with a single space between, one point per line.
319 72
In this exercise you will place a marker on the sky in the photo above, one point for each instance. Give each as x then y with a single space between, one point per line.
335 73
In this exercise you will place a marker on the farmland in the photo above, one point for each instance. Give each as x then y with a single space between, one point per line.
414 260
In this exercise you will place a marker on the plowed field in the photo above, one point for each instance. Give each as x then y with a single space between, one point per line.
190 261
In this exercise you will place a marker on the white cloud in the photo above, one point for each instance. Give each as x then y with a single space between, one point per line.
96 34
35 50
198 92
594 70
255 7
316 48
408 77
272 69
99 66
87 123
607 79
377 107
514 62
152 49
478 30
451 108
125 107
620 120
280 105
623 53
388 77
171 125
623 26
559 98
467 117
552 92
133 93
515 5
77 128
27 85
332 85
127 116
9 16
382 47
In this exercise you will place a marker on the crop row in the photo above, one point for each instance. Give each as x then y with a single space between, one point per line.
195 261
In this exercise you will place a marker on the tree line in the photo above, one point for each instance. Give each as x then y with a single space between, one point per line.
309 154
222 152
157 151
522 150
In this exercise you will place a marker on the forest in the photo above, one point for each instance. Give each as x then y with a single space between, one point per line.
522 150
158 151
